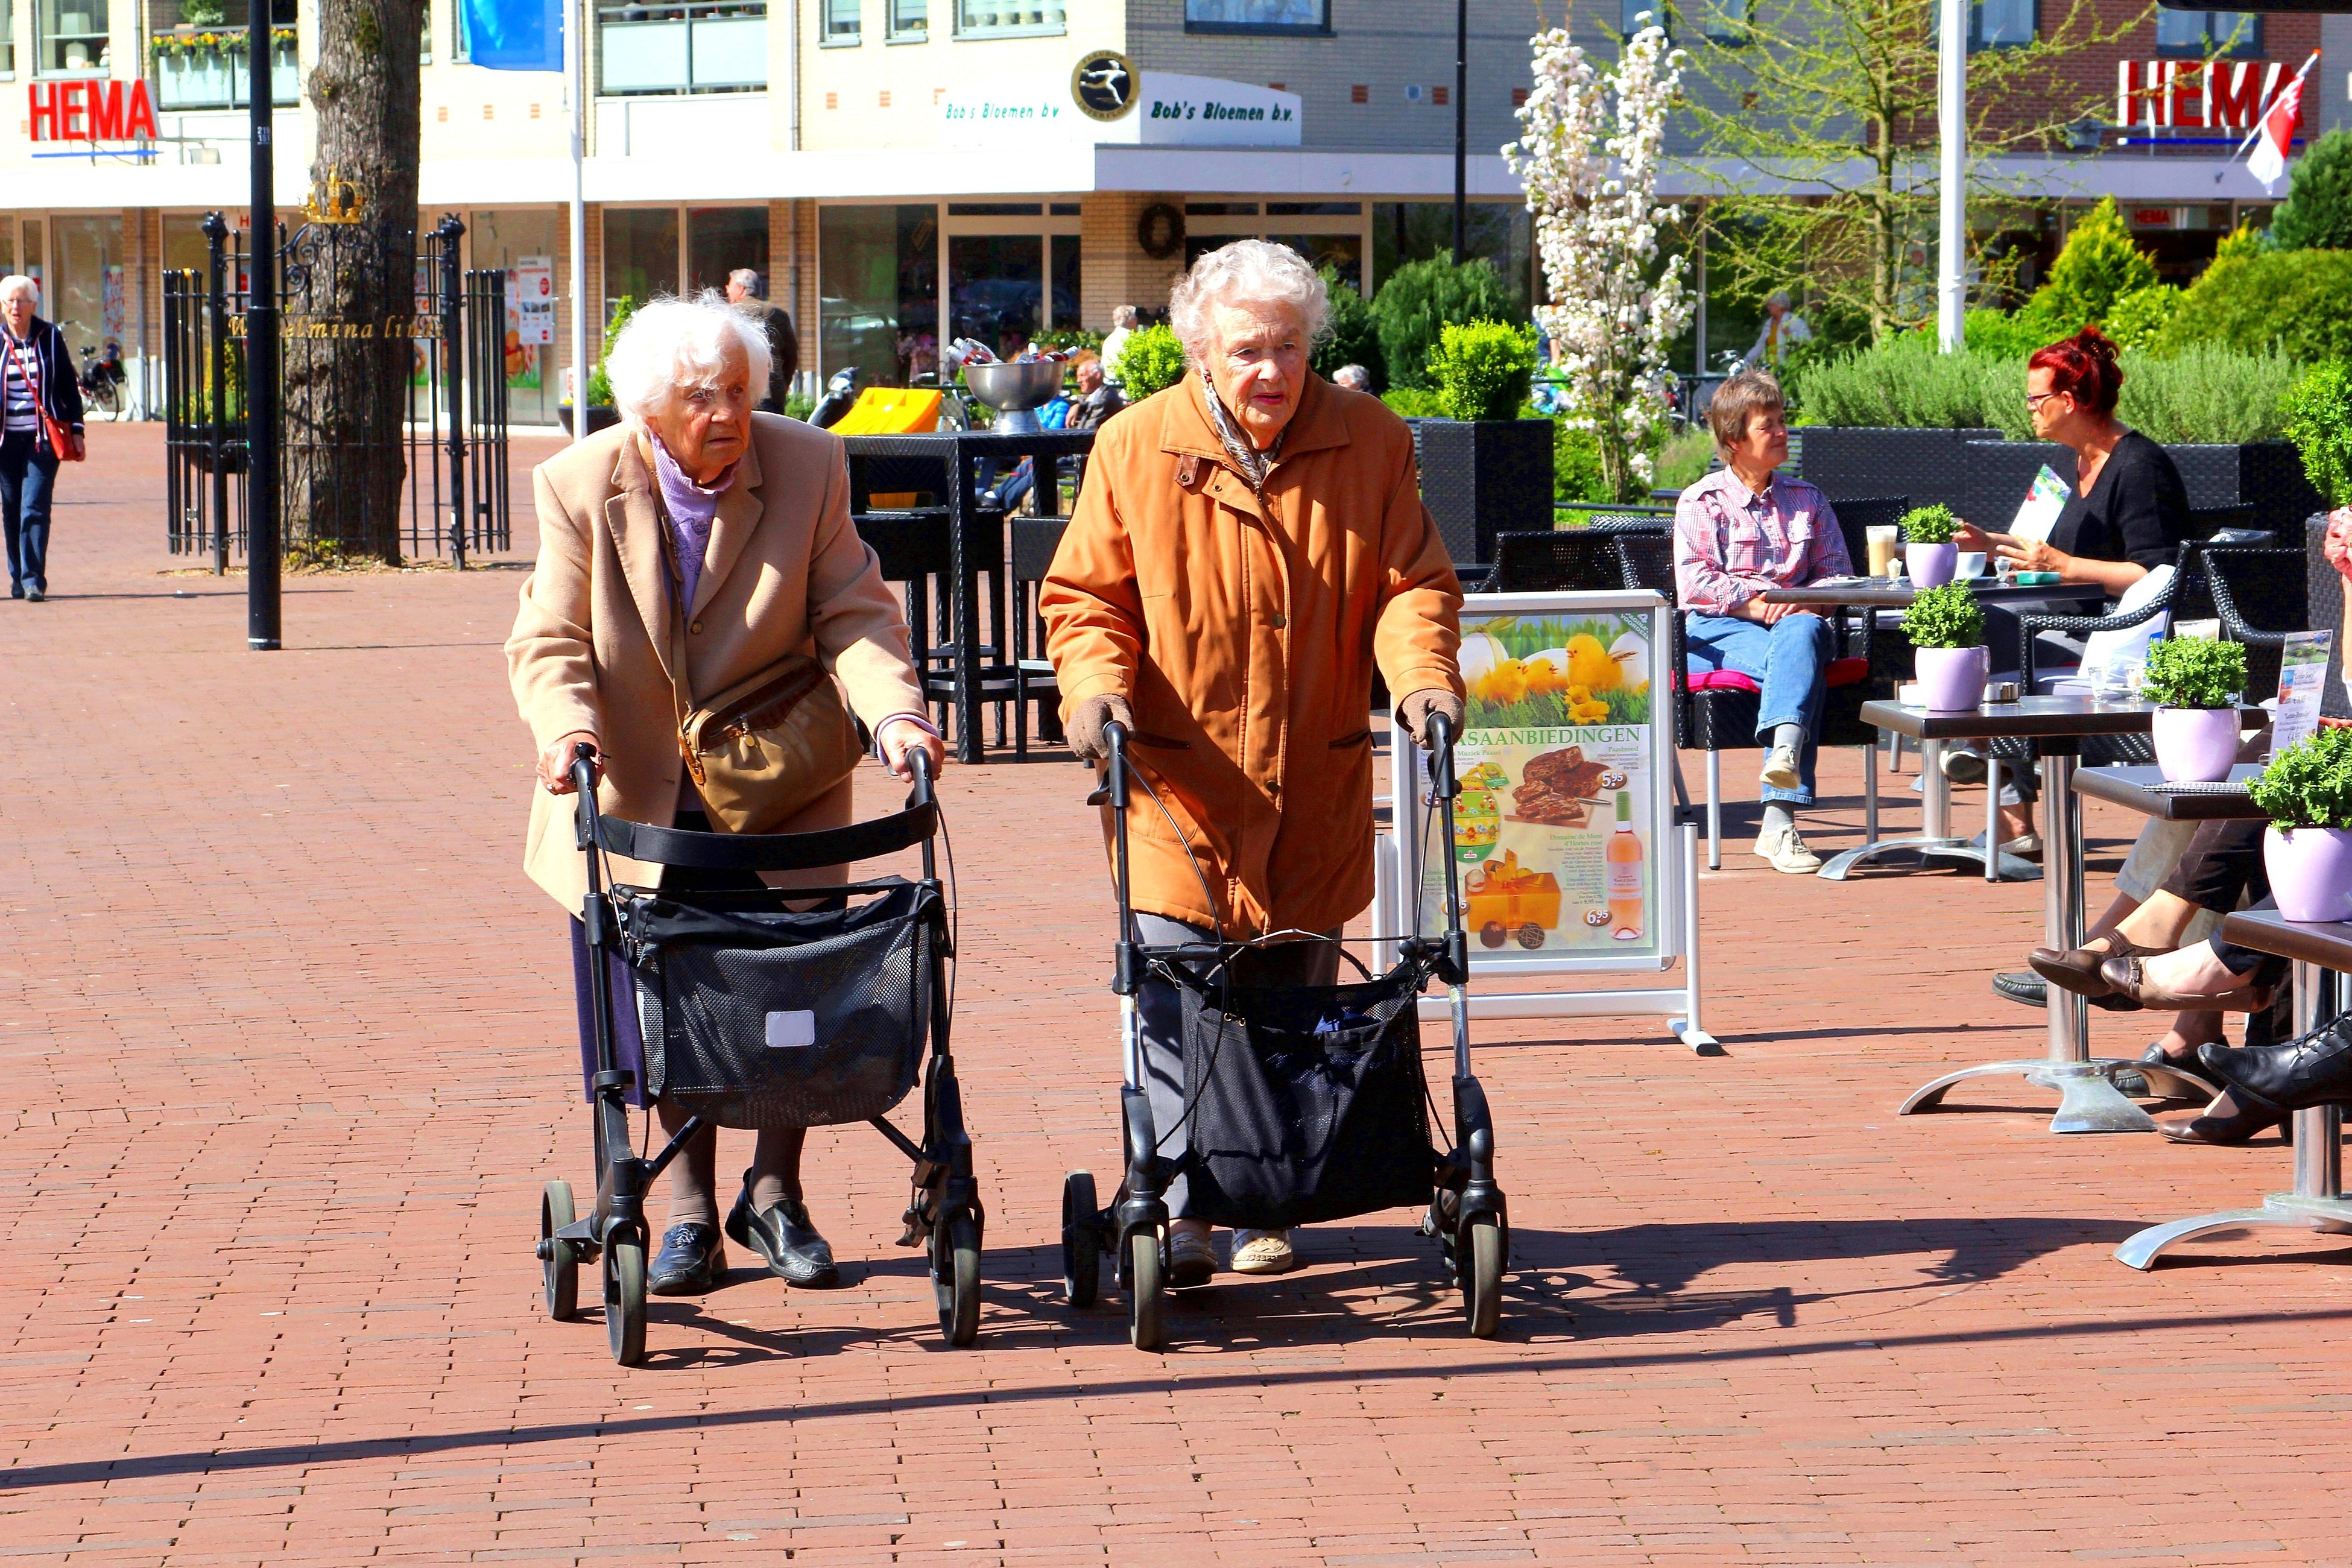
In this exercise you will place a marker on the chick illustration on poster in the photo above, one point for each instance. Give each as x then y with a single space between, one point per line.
1553 833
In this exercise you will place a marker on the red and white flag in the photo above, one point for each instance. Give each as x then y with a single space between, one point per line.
2274 134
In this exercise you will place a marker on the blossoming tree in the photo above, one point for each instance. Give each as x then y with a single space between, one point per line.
1588 154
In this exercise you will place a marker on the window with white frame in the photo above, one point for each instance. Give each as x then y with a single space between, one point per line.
2203 33
911 19
1257 15
700 48
842 22
73 36
982 18
2000 24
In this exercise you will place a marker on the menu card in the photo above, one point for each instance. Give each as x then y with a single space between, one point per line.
2302 678
2043 502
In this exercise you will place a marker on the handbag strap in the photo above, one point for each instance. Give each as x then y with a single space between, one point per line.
31 374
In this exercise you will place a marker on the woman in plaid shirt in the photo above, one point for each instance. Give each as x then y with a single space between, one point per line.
1738 531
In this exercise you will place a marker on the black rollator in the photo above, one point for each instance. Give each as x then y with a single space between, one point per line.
1302 1104
756 1014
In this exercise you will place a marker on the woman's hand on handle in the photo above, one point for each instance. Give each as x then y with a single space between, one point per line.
901 739
555 763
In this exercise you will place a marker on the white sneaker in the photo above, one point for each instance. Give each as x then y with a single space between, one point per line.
1781 769
1786 852
1964 765
1263 1252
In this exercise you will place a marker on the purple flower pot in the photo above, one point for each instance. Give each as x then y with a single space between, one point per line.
2195 745
1931 565
2311 871
1950 678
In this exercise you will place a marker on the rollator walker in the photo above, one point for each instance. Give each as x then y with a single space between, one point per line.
1303 1104
754 1014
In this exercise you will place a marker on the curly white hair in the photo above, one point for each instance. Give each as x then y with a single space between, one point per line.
673 345
1246 272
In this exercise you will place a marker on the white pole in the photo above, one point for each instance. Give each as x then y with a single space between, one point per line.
575 99
1952 126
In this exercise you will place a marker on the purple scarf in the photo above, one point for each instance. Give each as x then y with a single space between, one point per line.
690 509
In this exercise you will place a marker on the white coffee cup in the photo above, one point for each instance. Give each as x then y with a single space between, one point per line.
1970 566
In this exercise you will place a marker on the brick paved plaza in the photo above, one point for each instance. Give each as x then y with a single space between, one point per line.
290 1051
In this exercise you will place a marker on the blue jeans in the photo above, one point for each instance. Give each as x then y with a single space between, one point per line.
1789 659
26 477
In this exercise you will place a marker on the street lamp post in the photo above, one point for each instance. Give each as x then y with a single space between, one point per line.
1461 131
262 550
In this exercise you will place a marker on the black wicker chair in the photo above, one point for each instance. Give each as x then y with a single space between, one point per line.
1034 541
1558 560
1857 518
2261 596
1721 718
912 548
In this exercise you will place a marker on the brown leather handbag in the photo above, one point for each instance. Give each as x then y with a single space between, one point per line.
767 748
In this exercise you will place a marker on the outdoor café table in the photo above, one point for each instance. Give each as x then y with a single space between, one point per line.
1934 840
2088 1102
2320 953
960 449
2144 790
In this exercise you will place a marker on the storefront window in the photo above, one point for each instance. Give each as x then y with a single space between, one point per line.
877 276
640 254
73 34
981 18
85 299
528 245
1257 15
1415 231
720 240
996 289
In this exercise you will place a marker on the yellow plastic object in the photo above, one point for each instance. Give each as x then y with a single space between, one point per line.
891 411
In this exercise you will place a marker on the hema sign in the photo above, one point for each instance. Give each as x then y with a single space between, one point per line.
1168 111
2226 95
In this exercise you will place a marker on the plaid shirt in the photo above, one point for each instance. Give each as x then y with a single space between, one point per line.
1730 543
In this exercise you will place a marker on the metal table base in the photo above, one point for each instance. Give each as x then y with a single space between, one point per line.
2318 1202
1934 840
2088 1100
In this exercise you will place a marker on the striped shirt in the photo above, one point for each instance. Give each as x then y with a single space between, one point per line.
16 355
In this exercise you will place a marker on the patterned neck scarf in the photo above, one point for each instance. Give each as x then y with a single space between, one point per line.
1253 464
690 508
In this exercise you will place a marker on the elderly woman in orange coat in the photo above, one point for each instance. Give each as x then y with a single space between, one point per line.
1249 547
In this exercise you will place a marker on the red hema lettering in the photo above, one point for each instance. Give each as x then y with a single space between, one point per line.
44 102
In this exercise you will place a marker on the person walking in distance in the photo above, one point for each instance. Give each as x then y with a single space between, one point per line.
747 293
43 429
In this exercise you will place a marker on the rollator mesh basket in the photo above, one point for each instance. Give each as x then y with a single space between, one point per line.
1291 1124
756 1016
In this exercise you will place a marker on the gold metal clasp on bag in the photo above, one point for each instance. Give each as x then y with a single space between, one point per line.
693 759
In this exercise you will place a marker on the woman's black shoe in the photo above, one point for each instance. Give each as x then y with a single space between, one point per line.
690 1261
2024 986
783 1235
2313 1070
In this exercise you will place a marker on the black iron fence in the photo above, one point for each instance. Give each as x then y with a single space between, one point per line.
447 430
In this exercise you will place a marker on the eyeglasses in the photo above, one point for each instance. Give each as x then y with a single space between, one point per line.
2036 399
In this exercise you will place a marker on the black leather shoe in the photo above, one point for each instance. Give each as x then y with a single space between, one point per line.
690 1261
783 1234
2313 1070
2240 1126
2022 986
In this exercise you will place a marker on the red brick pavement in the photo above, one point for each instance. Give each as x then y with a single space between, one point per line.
289 1053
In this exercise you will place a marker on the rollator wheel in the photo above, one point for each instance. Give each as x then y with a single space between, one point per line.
624 1299
559 1269
1482 1281
1081 1253
1143 1297
955 1278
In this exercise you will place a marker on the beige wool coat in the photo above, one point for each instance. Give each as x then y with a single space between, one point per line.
785 573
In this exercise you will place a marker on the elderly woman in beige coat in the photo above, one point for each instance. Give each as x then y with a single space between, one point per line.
698 541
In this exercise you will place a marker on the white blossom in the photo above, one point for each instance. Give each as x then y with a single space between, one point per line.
1590 169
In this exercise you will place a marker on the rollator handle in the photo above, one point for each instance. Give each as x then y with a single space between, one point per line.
1441 757
583 786
919 762
1114 741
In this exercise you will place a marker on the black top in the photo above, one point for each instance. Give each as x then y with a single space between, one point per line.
2136 511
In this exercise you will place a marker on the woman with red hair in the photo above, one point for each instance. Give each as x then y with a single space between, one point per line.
2128 516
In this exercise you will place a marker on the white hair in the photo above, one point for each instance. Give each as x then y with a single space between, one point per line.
16 283
1246 272
1353 375
672 346
1122 316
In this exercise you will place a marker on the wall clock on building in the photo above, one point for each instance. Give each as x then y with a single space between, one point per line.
1104 84
1159 230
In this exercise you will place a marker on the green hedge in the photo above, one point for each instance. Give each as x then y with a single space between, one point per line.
2299 300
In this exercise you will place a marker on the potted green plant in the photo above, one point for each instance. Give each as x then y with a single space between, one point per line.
2318 409
2306 790
1946 631
2195 683
602 413
1928 553
1484 469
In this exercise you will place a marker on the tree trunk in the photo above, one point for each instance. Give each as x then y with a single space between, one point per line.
351 289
